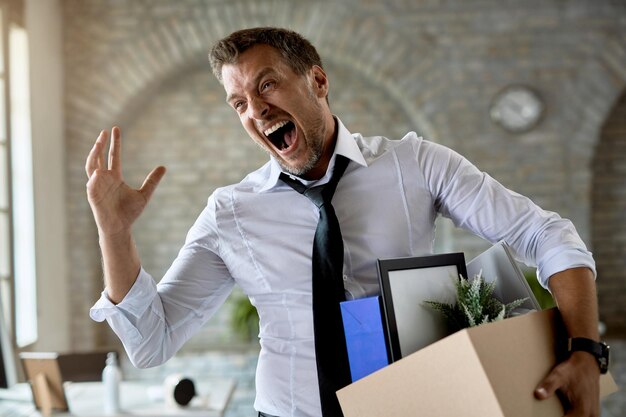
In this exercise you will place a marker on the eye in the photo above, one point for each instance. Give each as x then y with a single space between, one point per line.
266 85
238 105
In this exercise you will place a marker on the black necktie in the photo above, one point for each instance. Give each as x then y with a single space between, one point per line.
330 344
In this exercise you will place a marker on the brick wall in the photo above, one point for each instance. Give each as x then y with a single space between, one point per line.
609 218
429 66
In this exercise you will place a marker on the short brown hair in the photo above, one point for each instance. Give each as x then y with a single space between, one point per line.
298 52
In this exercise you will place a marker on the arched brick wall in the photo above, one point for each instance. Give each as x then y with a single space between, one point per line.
438 65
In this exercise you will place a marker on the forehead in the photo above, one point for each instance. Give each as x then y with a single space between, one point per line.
255 61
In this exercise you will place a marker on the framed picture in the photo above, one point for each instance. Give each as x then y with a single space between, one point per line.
405 284
44 374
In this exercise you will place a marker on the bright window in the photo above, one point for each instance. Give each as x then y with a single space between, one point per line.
17 233
6 245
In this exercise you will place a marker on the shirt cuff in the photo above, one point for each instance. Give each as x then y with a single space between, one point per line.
559 259
135 303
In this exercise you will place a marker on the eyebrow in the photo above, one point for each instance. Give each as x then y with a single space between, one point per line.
257 79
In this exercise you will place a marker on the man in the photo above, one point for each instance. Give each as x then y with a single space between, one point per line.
259 233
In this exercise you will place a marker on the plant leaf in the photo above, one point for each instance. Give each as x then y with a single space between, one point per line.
475 304
514 304
501 314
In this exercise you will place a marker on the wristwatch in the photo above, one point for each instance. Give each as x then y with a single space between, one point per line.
599 350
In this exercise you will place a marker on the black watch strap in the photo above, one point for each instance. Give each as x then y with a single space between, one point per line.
598 349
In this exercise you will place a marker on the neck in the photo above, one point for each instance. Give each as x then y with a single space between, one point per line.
318 171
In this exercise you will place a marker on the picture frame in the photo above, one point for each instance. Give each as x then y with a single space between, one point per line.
44 374
405 284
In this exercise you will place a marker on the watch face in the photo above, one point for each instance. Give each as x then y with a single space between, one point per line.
603 360
517 109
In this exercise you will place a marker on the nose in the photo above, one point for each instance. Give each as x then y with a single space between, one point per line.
257 108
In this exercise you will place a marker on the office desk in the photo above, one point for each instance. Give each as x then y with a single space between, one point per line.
137 398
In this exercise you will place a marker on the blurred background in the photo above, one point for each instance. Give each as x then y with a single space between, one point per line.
533 92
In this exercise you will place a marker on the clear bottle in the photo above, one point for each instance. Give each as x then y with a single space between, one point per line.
111 378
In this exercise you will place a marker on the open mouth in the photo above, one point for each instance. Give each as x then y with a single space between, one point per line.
281 134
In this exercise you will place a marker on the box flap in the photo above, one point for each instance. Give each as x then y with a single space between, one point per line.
439 380
526 343
517 353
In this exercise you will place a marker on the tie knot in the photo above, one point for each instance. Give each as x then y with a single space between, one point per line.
321 193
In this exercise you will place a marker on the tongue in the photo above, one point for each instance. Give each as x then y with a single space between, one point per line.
289 137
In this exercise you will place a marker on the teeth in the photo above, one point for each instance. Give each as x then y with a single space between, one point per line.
275 128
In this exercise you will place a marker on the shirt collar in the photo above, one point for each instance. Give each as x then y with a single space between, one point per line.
346 146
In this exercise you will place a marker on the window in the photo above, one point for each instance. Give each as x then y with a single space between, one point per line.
6 234
17 234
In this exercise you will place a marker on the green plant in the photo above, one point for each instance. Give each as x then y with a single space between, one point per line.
475 304
245 318
543 296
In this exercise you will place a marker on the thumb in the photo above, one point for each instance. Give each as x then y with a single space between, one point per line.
151 182
548 386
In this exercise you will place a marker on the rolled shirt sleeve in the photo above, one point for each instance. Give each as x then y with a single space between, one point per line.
123 317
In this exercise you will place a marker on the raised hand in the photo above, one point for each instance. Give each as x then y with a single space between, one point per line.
115 205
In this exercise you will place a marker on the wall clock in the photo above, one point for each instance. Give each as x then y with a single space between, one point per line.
517 108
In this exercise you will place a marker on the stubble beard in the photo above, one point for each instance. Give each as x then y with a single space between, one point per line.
314 146
314 149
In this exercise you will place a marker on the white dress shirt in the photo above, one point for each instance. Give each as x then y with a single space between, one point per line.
259 234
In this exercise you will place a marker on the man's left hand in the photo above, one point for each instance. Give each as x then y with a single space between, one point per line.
577 383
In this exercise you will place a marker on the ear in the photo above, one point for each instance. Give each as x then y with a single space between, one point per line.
319 81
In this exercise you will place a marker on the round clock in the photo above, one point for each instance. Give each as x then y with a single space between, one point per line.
517 108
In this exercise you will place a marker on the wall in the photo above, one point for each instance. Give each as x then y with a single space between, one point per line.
430 66
609 217
43 22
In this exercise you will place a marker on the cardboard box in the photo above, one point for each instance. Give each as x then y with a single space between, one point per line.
365 336
489 370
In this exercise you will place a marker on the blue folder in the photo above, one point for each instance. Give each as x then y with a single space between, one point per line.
365 336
